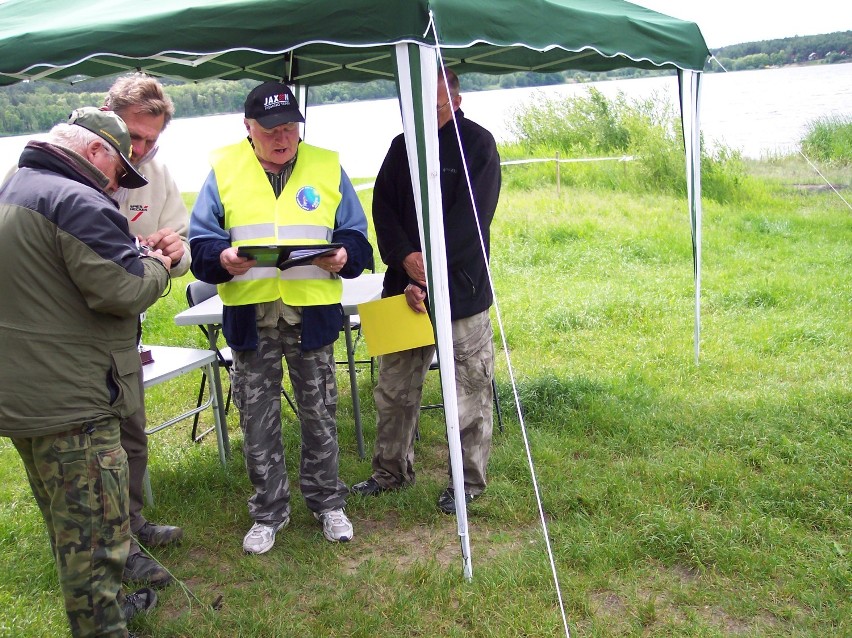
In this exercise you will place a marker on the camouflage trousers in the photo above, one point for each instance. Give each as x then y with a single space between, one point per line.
135 444
257 395
398 394
79 479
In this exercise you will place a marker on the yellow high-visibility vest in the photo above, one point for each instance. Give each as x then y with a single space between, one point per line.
304 213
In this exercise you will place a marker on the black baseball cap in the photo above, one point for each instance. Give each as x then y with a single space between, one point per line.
112 129
272 104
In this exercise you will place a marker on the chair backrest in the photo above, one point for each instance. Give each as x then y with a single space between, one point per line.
198 291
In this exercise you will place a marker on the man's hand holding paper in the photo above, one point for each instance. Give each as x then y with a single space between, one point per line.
415 297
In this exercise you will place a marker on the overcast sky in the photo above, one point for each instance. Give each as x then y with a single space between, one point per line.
734 21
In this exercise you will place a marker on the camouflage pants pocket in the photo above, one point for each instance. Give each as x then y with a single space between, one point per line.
114 491
238 389
94 474
474 372
70 460
473 350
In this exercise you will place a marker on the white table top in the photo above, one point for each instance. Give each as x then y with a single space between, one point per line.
365 288
171 362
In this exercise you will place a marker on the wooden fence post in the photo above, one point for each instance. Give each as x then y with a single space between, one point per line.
558 176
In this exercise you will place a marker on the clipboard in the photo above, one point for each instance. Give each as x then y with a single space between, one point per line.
389 325
284 257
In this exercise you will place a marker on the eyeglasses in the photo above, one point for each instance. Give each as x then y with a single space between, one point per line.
444 105
120 171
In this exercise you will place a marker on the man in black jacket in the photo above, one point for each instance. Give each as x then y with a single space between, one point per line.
401 374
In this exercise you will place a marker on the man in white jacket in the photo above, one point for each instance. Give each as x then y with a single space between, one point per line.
159 219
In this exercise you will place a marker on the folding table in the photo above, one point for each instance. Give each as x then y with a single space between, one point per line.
170 363
366 287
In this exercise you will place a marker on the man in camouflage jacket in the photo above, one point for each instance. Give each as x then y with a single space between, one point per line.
73 286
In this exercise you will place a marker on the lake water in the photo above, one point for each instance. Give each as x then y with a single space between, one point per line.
759 112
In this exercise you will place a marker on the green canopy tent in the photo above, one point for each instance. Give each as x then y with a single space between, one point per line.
313 42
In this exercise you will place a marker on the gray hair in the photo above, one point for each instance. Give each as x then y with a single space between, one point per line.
77 138
141 92
453 86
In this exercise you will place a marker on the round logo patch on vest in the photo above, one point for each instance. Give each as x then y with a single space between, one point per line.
308 198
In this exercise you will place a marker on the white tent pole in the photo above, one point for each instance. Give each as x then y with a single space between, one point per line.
417 70
690 94
302 100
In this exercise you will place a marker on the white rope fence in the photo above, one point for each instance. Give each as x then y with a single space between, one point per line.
574 160
623 158
538 160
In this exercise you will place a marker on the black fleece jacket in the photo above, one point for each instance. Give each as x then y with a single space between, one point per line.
395 220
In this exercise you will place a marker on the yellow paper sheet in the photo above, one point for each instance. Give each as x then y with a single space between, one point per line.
389 325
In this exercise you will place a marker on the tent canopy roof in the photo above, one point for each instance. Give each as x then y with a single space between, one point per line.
317 42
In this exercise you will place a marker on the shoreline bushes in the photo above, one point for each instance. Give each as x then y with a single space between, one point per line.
829 139
594 126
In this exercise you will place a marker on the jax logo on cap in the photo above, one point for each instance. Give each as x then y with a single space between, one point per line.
275 101
308 198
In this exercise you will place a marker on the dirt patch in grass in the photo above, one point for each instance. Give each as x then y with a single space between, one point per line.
387 540
659 607
818 187
610 607
686 575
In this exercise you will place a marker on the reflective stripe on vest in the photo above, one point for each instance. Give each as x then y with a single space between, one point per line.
304 213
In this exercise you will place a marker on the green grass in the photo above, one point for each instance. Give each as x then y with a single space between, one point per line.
829 139
682 499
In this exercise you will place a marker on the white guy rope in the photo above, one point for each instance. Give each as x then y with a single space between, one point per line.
830 185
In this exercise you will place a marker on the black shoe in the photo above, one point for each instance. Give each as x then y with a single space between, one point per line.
370 487
144 569
141 600
447 500
153 535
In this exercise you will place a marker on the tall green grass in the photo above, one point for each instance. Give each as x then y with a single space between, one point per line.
829 139
682 500
592 125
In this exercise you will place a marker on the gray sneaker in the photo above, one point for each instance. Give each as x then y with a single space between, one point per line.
261 537
336 527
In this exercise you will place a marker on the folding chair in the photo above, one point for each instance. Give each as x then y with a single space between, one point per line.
196 292
352 344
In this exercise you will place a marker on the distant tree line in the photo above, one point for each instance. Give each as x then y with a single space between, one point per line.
34 107
829 48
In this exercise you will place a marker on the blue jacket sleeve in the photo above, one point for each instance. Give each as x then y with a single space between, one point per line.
207 235
350 229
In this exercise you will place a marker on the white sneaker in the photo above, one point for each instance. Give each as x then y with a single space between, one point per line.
335 526
261 537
